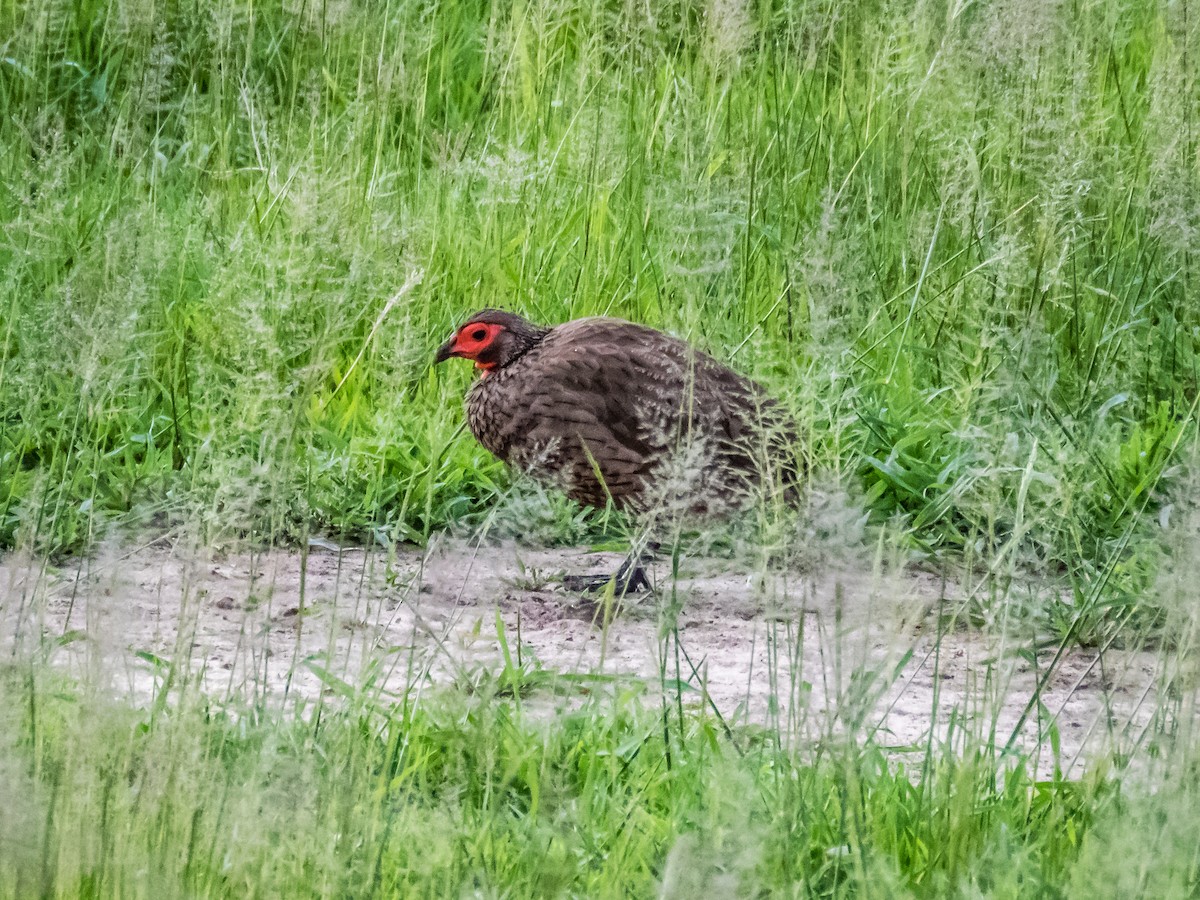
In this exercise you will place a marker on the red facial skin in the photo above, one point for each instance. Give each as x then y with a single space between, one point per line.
473 339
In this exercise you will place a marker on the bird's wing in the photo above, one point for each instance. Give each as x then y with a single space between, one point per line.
758 436
604 407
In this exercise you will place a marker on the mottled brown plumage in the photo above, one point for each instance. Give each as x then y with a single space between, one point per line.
602 407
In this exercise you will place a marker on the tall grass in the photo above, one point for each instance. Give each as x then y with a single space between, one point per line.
476 797
956 238
515 780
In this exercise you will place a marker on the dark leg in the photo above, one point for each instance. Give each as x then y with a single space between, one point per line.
630 578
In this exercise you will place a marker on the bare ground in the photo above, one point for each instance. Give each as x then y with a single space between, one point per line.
816 655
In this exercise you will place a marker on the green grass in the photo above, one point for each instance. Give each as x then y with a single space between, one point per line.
956 238
473 795
515 780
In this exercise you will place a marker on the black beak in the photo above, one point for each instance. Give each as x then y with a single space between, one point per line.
445 351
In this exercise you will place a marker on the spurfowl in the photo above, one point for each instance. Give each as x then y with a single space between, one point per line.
603 408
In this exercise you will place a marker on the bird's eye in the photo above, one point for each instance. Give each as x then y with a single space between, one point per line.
478 334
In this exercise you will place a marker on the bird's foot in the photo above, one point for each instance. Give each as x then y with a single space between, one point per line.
628 580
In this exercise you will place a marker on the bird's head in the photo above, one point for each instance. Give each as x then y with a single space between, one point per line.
491 339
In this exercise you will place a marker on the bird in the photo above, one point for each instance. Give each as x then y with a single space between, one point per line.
610 410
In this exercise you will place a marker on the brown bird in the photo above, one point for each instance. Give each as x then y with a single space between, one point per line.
608 409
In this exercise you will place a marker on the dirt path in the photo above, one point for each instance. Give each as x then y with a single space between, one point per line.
825 655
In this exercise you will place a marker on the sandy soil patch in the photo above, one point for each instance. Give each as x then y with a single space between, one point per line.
818 655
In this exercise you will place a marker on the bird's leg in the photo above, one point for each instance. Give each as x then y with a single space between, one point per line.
630 578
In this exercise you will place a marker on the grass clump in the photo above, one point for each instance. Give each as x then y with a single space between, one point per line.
470 793
958 245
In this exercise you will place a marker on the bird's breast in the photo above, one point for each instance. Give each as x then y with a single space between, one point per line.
495 411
